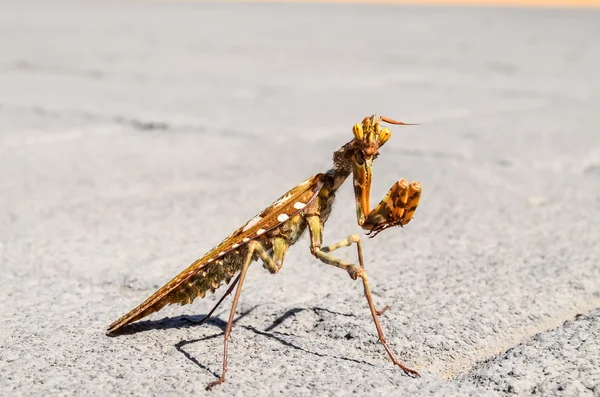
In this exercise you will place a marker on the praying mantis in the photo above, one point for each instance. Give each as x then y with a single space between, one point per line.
269 234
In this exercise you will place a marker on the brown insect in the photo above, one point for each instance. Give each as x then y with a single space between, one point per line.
269 234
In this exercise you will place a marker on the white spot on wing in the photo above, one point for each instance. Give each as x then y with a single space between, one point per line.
221 253
283 218
246 239
251 223
260 231
234 246
298 205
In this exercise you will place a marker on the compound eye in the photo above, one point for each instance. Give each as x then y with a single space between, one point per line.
384 135
358 131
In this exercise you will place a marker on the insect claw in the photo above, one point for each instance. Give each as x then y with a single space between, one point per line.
381 311
215 383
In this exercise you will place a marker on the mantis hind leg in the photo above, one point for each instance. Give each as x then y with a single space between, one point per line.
253 247
210 313
272 264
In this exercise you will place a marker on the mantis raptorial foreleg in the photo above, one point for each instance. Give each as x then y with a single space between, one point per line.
315 228
396 209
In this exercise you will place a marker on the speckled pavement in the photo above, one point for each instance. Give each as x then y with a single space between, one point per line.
135 136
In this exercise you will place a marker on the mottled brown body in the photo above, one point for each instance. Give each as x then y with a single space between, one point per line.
269 234
208 280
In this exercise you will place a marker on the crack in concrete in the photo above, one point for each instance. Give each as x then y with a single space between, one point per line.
461 368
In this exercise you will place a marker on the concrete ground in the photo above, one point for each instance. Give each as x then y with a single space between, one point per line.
135 136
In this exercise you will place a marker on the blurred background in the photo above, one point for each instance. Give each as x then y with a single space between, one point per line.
135 135
497 3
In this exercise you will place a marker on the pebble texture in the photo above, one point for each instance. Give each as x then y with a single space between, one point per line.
135 136
564 361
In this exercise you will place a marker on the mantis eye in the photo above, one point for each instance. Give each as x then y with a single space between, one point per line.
358 131
384 135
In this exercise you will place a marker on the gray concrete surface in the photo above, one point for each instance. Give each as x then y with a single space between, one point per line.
134 136
565 360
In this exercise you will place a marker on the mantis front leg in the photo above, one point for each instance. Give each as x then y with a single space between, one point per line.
316 236
396 209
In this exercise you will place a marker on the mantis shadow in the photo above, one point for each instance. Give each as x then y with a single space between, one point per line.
268 332
185 321
177 322
180 322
